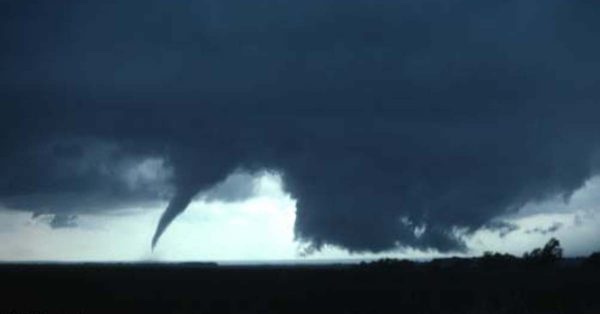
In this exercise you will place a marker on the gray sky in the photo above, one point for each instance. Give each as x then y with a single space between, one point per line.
412 126
261 229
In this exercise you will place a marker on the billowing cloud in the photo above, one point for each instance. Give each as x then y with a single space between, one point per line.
393 124
548 230
63 221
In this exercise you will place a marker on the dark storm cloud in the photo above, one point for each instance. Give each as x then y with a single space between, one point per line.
548 230
393 123
502 228
56 221
63 221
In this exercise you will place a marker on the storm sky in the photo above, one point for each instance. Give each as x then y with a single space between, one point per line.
404 126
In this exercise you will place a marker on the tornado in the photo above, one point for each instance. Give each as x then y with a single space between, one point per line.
179 202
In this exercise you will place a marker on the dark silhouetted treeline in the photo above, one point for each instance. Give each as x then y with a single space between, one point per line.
541 281
548 256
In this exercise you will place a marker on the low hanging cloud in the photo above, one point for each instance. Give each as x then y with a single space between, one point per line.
548 230
394 124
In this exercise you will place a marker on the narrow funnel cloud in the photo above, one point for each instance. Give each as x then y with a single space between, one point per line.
178 204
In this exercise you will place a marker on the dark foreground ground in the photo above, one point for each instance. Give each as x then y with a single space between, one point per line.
445 287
